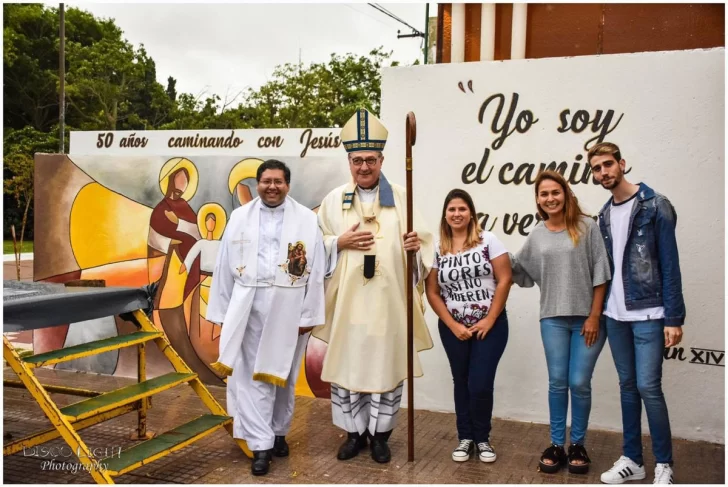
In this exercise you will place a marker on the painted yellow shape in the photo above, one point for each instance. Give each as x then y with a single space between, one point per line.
174 286
302 387
107 227
247 168
205 288
187 308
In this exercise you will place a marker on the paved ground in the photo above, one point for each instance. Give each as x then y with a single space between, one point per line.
314 441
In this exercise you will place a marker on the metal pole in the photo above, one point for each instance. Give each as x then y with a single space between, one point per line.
62 79
427 30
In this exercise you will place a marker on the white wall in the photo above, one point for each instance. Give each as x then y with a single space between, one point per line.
672 136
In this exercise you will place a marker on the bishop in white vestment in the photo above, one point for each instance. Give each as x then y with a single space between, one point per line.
364 225
267 292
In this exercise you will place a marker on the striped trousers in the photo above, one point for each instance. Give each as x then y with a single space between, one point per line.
356 412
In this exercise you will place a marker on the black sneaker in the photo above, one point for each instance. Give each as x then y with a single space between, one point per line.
464 451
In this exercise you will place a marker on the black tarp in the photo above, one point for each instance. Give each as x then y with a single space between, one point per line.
71 305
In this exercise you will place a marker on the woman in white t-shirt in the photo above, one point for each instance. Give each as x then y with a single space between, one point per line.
467 288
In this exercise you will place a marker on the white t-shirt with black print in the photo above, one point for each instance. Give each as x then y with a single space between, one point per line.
466 279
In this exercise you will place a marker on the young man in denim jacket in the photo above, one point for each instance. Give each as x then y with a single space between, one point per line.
644 310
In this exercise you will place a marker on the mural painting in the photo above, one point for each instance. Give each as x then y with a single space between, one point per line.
136 220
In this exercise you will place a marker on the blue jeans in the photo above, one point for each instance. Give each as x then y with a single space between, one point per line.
473 364
637 348
571 365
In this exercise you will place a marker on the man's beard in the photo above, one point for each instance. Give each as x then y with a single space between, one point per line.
614 182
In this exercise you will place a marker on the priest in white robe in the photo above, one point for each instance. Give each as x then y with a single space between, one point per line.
267 292
364 225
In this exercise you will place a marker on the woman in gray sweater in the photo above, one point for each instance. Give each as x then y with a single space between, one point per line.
565 256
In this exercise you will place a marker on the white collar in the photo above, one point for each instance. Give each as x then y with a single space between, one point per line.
274 209
368 191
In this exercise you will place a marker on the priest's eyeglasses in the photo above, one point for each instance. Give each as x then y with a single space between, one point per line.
272 182
371 161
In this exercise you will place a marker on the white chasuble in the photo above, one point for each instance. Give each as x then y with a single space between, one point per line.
366 319
294 271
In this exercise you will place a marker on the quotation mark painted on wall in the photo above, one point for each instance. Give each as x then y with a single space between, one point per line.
462 88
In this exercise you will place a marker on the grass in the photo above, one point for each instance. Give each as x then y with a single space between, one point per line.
8 247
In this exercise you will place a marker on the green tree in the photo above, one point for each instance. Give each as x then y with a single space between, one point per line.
99 87
320 95
18 168
30 71
150 105
171 88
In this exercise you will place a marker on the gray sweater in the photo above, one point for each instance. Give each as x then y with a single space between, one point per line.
565 274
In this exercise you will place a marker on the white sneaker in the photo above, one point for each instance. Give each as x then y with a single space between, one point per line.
663 474
464 451
486 453
623 470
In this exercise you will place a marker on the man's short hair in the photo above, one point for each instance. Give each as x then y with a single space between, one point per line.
604 149
274 164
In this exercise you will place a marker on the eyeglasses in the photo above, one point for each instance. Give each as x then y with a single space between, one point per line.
371 161
271 182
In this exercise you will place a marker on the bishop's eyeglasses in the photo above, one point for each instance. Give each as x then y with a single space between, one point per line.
358 161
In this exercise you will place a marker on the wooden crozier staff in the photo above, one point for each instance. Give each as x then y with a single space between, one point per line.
411 133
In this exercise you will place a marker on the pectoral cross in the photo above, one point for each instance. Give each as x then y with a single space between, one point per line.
241 242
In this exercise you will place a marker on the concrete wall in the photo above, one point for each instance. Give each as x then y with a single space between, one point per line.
664 109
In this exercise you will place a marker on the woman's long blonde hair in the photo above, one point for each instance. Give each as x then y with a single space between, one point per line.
572 210
473 233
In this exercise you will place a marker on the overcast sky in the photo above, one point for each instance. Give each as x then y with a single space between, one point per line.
224 48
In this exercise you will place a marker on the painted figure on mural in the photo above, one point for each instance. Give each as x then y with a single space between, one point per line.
211 221
366 319
174 229
173 224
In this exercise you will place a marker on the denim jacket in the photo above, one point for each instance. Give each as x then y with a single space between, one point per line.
651 266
